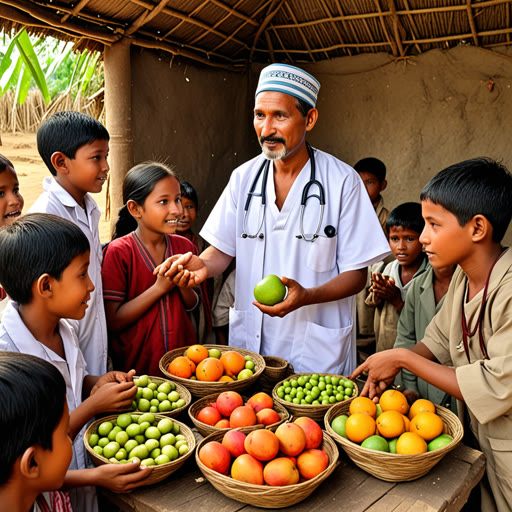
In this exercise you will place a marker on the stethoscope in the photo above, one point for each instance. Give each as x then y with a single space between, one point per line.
329 231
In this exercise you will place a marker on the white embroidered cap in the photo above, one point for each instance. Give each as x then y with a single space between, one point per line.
290 80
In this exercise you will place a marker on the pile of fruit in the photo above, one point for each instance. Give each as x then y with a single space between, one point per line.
391 426
316 389
154 397
229 411
290 455
140 436
199 363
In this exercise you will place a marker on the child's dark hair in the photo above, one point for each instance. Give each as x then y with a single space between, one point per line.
373 166
67 131
138 183
406 215
5 163
37 244
188 191
33 395
480 186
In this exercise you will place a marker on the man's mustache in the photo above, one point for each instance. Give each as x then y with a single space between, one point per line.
272 139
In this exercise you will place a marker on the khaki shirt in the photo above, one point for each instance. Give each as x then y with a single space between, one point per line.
486 385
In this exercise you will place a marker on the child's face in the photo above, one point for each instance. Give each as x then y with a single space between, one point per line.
87 172
11 202
373 186
162 208
72 291
55 462
445 241
405 245
189 215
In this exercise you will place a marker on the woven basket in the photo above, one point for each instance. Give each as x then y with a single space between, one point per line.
393 467
182 390
315 412
200 389
276 369
265 496
158 473
206 430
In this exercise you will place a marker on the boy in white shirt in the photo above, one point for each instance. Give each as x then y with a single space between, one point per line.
44 261
74 146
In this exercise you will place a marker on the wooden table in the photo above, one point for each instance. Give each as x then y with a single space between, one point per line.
445 488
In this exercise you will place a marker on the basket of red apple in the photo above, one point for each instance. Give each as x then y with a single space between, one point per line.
268 469
207 369
229 409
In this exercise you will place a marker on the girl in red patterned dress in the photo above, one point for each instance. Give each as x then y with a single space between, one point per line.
147 315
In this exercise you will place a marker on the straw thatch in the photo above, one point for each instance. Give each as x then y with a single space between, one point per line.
234 33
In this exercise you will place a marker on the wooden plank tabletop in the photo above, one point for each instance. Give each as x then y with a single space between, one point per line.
445 488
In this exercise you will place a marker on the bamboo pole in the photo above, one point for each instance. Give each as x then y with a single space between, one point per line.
118 101
75 10
303 37
414 29
234 12
396 25
472 22
384 29
147 16
263 27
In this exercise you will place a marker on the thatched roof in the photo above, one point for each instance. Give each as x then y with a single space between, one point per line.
234 33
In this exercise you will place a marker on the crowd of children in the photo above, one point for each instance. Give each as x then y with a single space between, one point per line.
70 304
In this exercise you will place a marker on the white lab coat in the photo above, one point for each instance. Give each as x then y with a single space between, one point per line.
92 329
15 337
320 337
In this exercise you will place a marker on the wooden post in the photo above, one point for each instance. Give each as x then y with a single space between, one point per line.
118 105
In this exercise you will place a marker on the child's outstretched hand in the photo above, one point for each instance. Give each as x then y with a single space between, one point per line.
113 397
384 288
122 477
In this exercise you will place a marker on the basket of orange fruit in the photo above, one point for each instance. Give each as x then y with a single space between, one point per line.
268 469
390 440
229 409
207 369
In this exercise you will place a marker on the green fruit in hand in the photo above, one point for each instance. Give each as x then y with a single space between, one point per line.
376 443
270 290
338 425
439 442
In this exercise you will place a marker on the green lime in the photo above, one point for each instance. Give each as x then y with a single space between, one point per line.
121 454
165 426
170 451
147 462
143 405
173 396
143 381
93 440
152 433
439 442
133 430
122 438
130 445
111 449
103 441
123 420
376 443
338 425
162 459
105 428
98 450
165 387
270 290
151 444
183 449
155 452
113 433
392 445
149 417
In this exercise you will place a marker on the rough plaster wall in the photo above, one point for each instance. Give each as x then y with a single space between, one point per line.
417 116
195 118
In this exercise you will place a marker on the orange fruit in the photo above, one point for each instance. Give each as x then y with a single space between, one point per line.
409 443
364 405
407 422
226 378
209 370
182 367
394 400
233 362
421 405
359 426
427 425
197 353
390 424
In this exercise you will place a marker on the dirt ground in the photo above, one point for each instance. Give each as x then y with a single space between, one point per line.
21 150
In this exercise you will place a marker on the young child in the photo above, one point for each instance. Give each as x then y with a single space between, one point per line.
373 173
390 282
202 317
11 203
424 299
74 147
146 314
35 445
466 350
44 261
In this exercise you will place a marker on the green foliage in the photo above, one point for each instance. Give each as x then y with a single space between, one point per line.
48 64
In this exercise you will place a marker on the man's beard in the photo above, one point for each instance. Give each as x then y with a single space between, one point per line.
276 154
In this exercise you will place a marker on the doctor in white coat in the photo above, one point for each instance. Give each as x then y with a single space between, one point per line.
322 260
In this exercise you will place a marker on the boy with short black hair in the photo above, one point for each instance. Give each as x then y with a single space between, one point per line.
44 261
390 282
74 146
35 446
467 347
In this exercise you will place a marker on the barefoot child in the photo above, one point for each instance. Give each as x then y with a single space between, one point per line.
146 314
466 350
35 445
44 261
390 282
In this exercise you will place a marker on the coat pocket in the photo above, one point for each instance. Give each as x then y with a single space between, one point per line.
322 254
